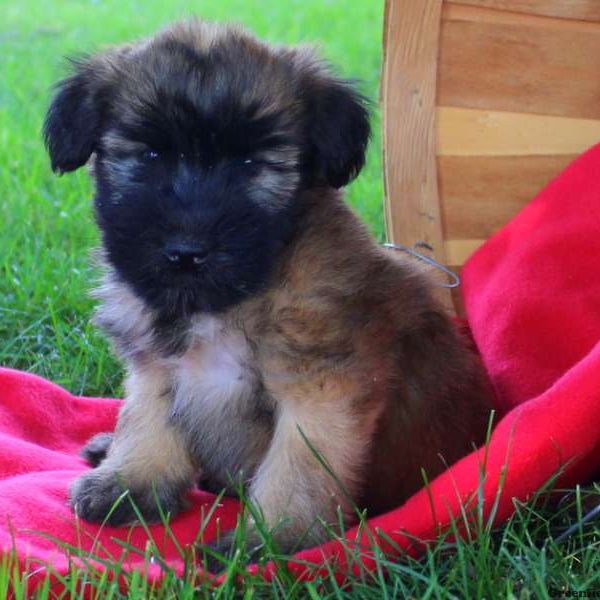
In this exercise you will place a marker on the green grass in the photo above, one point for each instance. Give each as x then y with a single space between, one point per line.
46 232
47 227
525 559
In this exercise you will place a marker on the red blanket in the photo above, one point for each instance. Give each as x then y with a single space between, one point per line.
532 295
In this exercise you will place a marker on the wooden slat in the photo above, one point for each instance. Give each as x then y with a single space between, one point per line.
458 251
481 194
408 92
587 10
409 79
488 62
472 14
467 132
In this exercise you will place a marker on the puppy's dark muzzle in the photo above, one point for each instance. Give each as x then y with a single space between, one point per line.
186 255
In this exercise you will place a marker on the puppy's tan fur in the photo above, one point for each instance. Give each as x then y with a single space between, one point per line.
351 349
346 352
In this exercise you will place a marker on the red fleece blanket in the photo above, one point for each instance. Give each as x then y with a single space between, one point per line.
532 295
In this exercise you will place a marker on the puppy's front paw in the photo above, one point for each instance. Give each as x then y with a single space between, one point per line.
96 496
103 496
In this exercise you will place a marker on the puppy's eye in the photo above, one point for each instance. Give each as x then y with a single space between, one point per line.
150 155
250 163
247 163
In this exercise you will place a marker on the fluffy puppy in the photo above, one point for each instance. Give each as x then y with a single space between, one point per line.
258 319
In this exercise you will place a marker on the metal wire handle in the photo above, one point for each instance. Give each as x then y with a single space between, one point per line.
427 259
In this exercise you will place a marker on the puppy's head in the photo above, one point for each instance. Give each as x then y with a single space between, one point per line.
202 139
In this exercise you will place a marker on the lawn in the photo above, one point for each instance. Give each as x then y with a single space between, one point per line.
47 224
47 231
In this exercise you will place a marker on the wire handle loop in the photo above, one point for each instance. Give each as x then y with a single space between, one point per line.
427 259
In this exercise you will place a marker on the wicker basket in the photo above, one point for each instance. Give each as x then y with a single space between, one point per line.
484 101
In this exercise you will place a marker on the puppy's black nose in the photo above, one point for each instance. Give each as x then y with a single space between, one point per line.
186 254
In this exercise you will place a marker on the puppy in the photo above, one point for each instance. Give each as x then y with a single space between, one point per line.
260 322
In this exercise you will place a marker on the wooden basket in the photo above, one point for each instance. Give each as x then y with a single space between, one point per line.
484 101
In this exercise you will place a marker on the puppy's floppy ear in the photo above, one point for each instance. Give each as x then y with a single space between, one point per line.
337 121
72 122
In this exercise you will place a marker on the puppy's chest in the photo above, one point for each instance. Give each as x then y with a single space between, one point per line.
220 404
215 373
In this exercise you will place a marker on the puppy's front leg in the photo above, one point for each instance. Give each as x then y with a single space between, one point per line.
147 458
293 490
